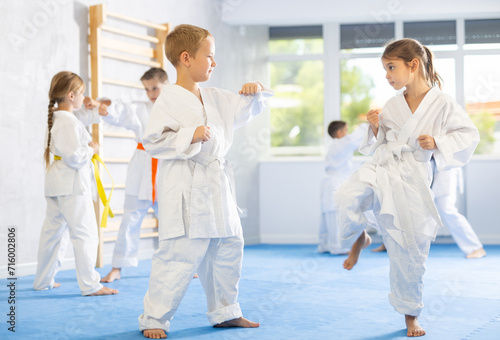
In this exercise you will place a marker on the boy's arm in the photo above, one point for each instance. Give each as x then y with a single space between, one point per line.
166 138
250 102
123 113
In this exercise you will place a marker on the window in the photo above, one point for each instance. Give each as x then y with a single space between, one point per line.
297 76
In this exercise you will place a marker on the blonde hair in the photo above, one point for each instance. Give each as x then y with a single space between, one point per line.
184 38
409 49
155 73
61 84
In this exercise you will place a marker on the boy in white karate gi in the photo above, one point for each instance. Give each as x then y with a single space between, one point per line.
413 126
140 190
190 131
338 167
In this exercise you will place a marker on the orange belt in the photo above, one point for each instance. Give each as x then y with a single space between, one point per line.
154 168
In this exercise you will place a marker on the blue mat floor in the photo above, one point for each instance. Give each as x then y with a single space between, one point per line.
294 292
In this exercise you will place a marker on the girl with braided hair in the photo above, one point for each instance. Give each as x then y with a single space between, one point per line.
69 188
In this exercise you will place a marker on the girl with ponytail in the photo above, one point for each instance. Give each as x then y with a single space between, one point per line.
418 123
69 188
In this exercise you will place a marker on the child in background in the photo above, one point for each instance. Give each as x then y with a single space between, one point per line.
70 188
191 130
338 168
416 124
140 188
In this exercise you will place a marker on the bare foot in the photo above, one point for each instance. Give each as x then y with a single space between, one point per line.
477 254
156 333
114 274
363 241
379 249
195 276
414 328
56 285
239 322
104 291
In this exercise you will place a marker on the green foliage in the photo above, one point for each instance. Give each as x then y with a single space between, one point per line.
355 94
485 123
298 120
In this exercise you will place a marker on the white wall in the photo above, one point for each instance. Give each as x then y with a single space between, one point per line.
290 199
41 38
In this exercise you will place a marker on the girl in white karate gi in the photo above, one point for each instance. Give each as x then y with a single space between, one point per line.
69 189
338 167
190 131
416 124
134 115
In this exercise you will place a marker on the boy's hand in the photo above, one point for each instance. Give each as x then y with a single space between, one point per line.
250 88
201 134
427 142
103 109
94 146
372 117
89 103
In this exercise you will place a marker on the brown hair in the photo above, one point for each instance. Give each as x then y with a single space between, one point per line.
335 126
61 84
409 49
184 38
155 72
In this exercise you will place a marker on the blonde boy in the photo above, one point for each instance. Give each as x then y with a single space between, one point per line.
190 131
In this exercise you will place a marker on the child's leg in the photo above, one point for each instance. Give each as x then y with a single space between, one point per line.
52 246
334 242
129 236
78 211
406 280
323 235
220 274
457 224
172 268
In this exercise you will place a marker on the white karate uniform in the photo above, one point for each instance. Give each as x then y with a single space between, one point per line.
69 189
396 185
139 187
338 167
444 186
200 230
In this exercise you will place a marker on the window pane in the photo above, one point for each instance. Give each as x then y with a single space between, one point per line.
296 46
363 87
482 98
297 107
445 67
432 32
361 36
482 31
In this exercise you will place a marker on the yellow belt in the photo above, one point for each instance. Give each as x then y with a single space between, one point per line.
100 189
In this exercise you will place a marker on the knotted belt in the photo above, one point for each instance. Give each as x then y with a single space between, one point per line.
154 168
100 189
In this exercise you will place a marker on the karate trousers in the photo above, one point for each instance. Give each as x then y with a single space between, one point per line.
329 239
129 235
218 264
460 229
76 213
354 198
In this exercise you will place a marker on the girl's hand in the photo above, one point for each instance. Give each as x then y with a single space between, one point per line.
89 103
94 146
250 88
372 117
427 142
103 109
201 134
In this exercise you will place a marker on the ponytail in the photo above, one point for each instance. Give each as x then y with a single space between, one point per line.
433 78
50 122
